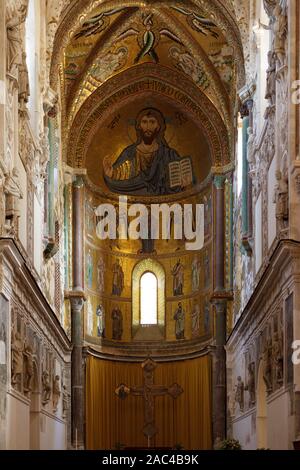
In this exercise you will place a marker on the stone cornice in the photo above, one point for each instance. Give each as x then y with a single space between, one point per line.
137 352
285 259
16 280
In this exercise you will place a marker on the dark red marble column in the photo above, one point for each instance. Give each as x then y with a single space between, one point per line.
77 374
77 301
219 233
219 300
78 211
219 374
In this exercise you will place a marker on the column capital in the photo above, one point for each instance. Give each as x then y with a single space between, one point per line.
246 108
221 306
247 92
219 181
78 182
221 296
77 299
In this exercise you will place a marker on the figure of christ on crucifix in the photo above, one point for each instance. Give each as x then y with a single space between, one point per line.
149 391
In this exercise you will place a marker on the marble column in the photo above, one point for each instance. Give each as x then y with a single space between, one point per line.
219 300
78 210
219 283
77 302
77 374
219 374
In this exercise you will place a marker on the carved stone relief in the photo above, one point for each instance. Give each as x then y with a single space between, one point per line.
280 29
16 13
239 393
46 388
10 121
33 367
56 392
242 12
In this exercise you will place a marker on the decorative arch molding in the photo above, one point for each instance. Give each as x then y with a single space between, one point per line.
148 265
145 79
73 14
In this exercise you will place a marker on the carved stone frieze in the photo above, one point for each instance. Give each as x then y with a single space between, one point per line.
2 204
281 197
54 10
34 309
282 109
280 30
16 12
242 12
13 194
269 6
260 332
10 122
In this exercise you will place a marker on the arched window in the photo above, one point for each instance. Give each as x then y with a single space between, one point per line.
148 296
148 301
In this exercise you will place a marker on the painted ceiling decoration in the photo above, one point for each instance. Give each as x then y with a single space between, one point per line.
146 38
198 22
97 23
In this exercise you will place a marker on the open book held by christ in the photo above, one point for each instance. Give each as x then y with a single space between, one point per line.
181 173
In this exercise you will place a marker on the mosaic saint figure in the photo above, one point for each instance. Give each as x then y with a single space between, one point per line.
206 270
118 279
89 270
207 318
117 324
178 278
196 320
100 314
89 318
196 269
100 275
179 318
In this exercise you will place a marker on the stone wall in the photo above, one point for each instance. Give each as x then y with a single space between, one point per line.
261 376
34 361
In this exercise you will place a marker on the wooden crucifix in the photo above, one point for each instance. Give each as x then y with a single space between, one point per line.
149 391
